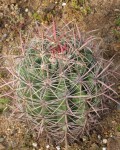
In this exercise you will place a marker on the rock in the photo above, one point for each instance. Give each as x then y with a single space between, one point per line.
117 10
2 147
47 146
104 141
104 148
34 144
99 137
58 147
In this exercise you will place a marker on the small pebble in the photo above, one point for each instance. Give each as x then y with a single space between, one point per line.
104 148
84 139
117 10
6 25
12 6
3 37
63 4
105 141
58 147
118 87
111 135
16 7
34 144
8 129
52 43
26 10
48 146
99 137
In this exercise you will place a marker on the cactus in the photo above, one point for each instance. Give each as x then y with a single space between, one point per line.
62 83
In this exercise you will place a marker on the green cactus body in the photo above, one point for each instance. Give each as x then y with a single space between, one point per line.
58 82
52 87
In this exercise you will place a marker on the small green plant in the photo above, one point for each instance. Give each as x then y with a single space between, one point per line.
80 6
4 101
74 4
62 83
118 128
117 21
37 16
3 104
116 33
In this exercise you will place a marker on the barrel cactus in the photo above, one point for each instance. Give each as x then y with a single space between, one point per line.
62 83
